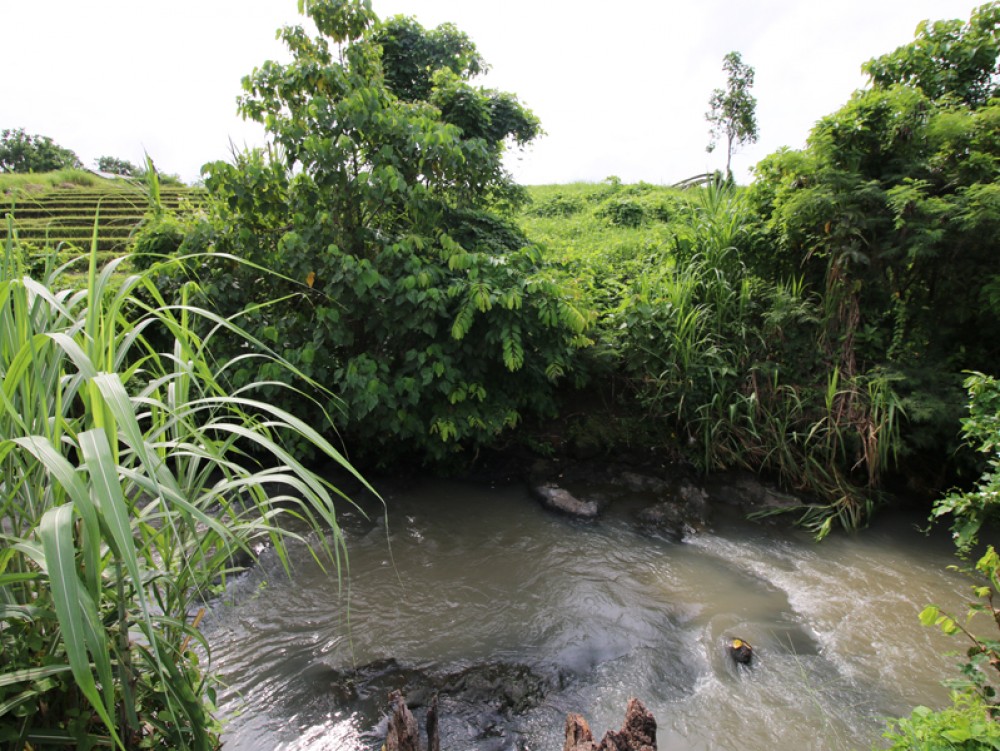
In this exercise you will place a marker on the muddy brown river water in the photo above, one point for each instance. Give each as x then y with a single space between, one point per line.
515 616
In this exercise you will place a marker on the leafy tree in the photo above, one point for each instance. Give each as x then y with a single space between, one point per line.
893 212
116 166
380 206
21 152
409 51
733 110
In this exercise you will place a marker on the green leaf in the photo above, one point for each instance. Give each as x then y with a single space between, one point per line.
929 615
56 532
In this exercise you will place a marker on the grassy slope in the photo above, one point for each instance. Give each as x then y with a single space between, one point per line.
13 184
594 235
578 221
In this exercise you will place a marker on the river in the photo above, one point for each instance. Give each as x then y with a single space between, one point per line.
475 587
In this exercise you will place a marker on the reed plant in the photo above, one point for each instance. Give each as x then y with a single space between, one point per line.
734 362
133 482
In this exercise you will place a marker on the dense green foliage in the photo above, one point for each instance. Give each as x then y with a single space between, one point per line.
972 720
733 110
813 326
713 361
128 494
948 59
965 726
381 206
891 215
23 152
970 509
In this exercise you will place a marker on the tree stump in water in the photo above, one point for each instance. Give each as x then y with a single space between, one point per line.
578 735
403 733
638 733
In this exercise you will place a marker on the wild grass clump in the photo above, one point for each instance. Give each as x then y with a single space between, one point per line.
133 481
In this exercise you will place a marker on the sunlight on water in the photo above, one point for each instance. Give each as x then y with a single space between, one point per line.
476 587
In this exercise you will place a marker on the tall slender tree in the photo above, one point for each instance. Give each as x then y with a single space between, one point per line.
733 110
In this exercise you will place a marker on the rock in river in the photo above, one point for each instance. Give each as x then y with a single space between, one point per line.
560 499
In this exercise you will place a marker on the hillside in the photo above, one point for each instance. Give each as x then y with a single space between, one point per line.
48 212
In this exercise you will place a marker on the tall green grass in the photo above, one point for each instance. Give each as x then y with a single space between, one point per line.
731 364
131 483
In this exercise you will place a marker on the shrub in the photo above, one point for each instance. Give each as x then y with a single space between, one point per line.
965 726
622 212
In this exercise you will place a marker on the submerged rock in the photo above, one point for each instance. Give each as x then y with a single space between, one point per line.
507 688
684 513
479 701
751 493
560 499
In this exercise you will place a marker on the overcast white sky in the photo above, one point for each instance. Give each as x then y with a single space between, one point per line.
621 87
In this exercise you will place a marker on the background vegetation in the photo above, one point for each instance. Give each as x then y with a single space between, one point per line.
416 304
814 326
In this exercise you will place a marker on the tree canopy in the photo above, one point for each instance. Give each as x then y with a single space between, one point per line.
117 166
380 203
23 152
947 59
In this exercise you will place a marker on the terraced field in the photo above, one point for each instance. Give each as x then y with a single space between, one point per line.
64 217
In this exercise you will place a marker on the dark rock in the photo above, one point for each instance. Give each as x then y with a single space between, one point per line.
669 518
363 689
560 499
740 651
685 513
752 494
504 687
639 483
695 499
483 699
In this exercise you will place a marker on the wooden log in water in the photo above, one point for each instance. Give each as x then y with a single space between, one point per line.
578 735
433 737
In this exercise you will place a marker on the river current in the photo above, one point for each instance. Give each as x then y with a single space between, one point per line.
460 588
